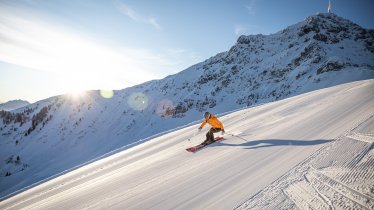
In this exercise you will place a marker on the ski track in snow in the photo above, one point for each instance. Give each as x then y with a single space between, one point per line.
338 176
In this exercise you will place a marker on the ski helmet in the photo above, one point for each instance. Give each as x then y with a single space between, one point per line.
207 114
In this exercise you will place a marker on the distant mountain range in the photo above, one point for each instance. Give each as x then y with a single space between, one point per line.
61 132
14 104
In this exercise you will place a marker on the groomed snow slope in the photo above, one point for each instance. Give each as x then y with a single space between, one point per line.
268 143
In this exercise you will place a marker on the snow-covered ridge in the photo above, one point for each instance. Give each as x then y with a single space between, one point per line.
15 104
61 132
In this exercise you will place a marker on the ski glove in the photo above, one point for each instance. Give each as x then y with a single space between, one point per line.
199 129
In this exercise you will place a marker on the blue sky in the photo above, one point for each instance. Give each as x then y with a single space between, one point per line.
51 47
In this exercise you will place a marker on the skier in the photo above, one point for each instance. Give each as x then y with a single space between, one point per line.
217 126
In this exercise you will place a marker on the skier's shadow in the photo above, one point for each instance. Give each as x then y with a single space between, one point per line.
255 144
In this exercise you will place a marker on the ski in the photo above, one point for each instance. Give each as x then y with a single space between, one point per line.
200 146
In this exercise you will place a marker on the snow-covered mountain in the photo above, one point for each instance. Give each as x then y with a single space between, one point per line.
56 134
14 104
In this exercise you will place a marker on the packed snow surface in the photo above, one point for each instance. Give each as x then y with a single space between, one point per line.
314 150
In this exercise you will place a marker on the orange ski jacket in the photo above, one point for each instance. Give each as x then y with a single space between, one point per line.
213 121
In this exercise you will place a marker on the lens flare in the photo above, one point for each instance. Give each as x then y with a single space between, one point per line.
106 93
138 101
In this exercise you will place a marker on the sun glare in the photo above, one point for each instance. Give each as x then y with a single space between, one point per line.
74 61
77 94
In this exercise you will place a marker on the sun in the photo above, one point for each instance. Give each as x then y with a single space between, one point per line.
77 94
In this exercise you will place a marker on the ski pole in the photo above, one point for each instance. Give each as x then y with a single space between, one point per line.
234 135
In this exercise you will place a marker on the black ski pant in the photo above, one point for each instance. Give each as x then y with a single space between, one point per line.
210 135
